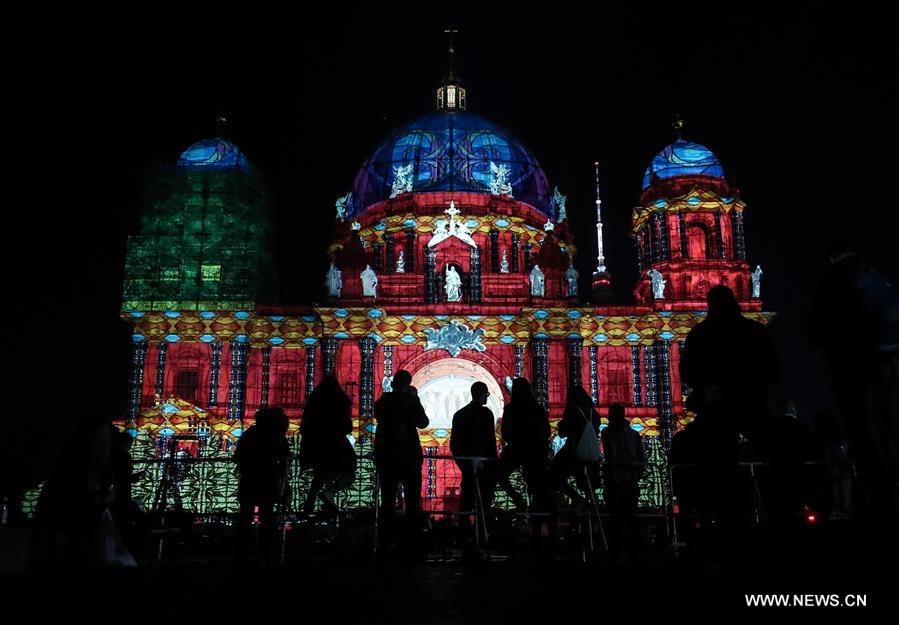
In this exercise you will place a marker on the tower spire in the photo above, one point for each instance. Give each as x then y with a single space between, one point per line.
602 293
451 93
600 259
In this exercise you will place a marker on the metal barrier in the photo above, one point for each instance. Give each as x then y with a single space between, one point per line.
206 488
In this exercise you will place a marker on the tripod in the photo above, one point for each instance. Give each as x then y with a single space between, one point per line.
594 510
174 470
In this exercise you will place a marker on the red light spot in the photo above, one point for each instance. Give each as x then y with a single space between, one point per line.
811 518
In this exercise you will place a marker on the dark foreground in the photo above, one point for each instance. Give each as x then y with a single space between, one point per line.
328 583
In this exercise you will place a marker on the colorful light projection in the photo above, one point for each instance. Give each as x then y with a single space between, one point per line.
682 158
452 151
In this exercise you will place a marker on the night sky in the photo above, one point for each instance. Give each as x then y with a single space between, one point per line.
795 103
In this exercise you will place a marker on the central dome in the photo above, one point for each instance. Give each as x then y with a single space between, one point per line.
452 151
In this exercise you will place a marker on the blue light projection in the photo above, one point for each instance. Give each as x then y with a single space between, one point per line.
452 151
213 155
683 158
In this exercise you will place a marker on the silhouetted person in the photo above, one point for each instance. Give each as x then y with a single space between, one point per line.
397 449
623 459
324 447
72 503
578 411
474 436
864 368
728 361
832 438
525 432
129 518
261 456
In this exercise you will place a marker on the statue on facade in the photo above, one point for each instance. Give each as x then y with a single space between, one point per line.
538 282
402 180
658 283
453 285
335 281
401 263
369 282
571 277
342 205
504 264
756 277
500 184
559 200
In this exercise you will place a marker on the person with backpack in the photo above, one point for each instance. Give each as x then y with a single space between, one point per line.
624 466
580 455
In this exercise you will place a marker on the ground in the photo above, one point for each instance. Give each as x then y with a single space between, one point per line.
198 578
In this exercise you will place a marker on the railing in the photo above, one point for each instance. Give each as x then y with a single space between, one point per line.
209 485
206 488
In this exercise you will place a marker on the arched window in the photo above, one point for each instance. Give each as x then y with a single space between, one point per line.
187 384
286 389
700 241
615 368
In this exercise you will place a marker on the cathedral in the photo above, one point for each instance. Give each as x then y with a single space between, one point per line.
452 258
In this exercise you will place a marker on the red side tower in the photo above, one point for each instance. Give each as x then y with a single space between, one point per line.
688 230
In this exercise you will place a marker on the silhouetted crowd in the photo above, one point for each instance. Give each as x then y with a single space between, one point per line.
738 464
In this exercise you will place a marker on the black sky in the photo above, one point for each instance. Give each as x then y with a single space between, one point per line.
797 104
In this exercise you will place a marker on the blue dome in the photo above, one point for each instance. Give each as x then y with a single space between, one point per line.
451 151
213 155
683 158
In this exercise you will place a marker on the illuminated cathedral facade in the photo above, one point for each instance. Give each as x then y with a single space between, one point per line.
452 258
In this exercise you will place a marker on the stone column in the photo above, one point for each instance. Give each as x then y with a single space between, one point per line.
237 385
136 390
575 349
310 370
541 373
367 347
329 350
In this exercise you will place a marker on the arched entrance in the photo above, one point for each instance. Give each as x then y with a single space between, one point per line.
444 387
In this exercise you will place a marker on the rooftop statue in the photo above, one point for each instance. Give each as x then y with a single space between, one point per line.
369 282
538 282
402 180
341 206
658 283
500 184
335 281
